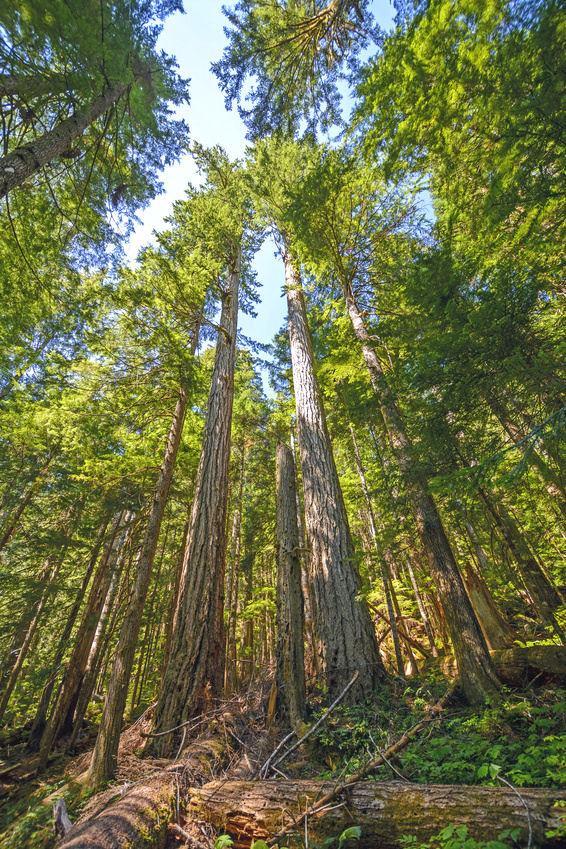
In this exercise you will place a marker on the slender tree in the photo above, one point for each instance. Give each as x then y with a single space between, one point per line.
290 674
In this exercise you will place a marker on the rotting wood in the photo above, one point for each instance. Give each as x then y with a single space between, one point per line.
382 758
385 811
61 822
519 664
139 818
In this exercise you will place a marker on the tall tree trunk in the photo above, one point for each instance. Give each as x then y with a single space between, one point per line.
475 666
383 565
38 726
105 755
311 657
231 676
76 665
290 671
343 628
96 649
27 160
195 672
175 594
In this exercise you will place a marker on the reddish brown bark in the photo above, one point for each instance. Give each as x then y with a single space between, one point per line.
195 672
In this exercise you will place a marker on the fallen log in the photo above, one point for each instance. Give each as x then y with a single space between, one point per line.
519 665
139 818
385 811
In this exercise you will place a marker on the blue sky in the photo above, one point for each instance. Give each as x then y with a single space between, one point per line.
196 39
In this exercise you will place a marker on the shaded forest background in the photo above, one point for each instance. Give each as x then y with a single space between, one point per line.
419 380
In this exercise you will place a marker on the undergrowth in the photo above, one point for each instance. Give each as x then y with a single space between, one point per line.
517 735
31 819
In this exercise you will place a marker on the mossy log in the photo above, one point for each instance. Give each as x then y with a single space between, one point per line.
519 665
385 810
140 817
138 820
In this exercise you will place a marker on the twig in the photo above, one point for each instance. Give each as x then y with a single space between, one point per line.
263 769
180 749
188 838
196 720
279 772
516 792
319 722
204 834
365 771
387 761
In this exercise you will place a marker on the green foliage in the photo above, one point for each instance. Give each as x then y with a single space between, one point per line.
456 837
474 99
293 53
520 738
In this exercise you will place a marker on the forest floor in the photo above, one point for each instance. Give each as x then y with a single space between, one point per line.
518 739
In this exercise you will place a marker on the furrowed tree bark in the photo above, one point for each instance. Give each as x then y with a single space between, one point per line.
385 811
475 667
342 624
290 670
195 672
105 755
76 666
27 160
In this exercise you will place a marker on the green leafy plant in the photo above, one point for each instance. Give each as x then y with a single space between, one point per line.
456 837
